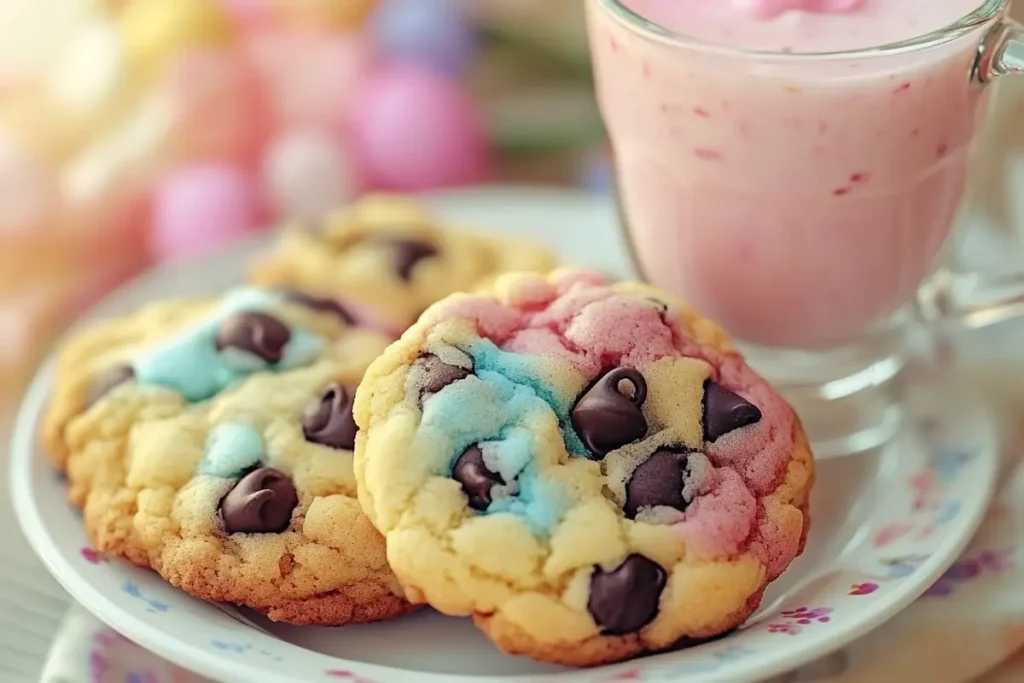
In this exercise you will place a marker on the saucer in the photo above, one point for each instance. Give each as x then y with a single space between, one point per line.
886 524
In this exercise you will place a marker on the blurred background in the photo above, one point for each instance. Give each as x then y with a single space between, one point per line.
137 131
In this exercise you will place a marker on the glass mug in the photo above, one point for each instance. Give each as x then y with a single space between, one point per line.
995 204
803 200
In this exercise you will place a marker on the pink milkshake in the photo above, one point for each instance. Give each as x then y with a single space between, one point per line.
798 198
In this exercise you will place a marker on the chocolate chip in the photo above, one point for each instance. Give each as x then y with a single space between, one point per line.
256 333
407 253
476 479
329 421
606 419
659 304
107 381
625 599
320 305
725 411
436 375
657 481
260 503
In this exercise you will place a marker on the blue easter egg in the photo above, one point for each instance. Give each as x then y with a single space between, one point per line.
597 176
435 32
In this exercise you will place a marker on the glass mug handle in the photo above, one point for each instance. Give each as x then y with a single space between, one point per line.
970 299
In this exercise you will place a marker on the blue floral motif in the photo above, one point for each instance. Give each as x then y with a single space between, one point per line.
949 512
153 606
242 648
971 569
900 567
144 677
949 464
230 647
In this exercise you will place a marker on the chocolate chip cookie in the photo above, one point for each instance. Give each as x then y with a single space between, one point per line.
386 259
588 469
212 441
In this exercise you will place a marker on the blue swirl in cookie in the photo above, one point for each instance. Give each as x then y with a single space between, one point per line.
192 364
530 371
500 417
232 449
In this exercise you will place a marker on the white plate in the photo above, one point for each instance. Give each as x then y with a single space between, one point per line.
886 525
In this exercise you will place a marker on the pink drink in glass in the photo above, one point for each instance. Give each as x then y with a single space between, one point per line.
798 200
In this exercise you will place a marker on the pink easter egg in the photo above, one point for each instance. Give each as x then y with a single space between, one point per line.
270 49
102 280
319 77
88 225
307 174
416 129
200 208
221 107
27 190
248 12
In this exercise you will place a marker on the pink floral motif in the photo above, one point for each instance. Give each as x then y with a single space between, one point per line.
804 616
892 533
348 676
108 638
863 588
966 571
945 469
799 618
92 556
946 514
634 674
98 665
923 486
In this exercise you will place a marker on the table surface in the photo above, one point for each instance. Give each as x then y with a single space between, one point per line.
31 602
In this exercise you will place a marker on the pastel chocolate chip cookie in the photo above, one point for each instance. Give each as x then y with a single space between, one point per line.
588 469
386 259
212 441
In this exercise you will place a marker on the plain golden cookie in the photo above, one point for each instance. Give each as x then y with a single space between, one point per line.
387 258
212 441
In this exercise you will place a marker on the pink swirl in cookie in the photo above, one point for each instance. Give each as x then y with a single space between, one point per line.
608 346
722 514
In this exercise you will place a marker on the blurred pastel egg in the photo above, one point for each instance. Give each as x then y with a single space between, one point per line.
220 106
307 174
315 78
207 108
436 32
597 175
88 73
110 7
31 31
415 128
28 320
86 226
127 157
27 190
28 115
154 30
248 12
112 273
197 209
345 15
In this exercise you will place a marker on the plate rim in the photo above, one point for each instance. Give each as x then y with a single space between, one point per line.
208 663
